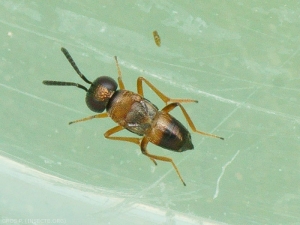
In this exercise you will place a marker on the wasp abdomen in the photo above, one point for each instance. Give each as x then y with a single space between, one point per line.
170 134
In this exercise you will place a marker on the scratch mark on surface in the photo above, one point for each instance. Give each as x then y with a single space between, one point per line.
222 173
38 98
192 89
290 58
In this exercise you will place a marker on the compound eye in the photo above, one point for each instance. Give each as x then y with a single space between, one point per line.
107 82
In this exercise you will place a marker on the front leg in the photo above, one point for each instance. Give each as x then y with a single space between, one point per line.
101 115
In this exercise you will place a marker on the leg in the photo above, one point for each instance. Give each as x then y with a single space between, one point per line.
161 95
171 106
116 129
101 115
120 81
144 144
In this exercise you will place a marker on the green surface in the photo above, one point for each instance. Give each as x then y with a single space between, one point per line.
239 59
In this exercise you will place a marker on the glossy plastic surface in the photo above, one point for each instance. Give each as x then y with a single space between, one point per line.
239 59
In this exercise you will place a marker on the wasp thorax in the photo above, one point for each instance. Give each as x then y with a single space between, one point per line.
100 92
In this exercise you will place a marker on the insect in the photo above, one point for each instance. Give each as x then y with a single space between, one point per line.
135 113
156 38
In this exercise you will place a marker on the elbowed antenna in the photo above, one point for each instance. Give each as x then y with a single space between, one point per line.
73 64
63 83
